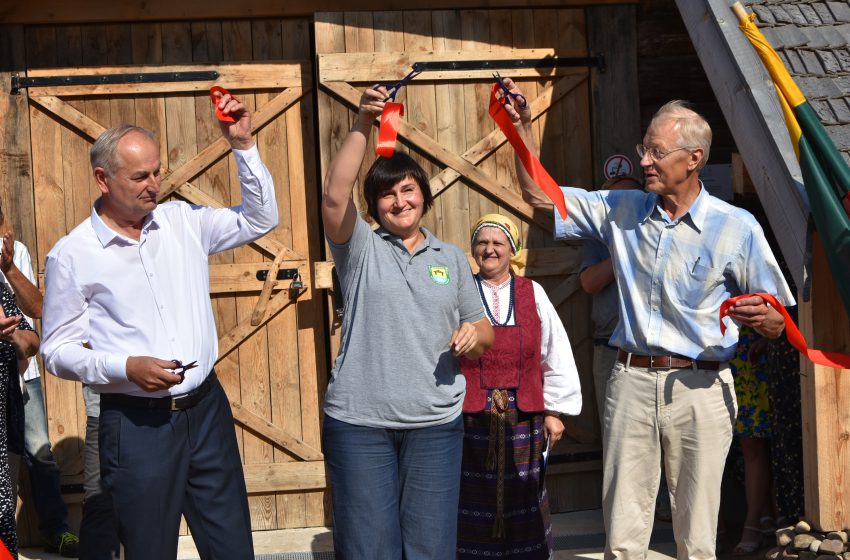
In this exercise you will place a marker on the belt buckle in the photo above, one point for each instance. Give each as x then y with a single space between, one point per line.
173 404
663 362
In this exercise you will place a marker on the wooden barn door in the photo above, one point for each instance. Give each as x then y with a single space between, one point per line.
271 339
447 128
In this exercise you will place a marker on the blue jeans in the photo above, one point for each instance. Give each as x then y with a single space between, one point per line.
43 470
395 492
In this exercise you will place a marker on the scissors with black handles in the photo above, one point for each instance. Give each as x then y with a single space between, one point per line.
393 89
180 369
508 95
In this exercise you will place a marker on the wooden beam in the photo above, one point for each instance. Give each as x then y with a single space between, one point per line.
235 77
242 277
323 275
752 111
825 394
274 434
232 339
493 141
86 11
215 151
296 476
78 121
564 290
431 147
390 66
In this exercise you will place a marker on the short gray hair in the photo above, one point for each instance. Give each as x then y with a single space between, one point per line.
693 129
104 151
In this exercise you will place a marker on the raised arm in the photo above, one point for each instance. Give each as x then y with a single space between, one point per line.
338 211
521 118
18 271
257 214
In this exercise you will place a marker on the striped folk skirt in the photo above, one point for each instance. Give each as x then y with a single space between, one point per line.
503 513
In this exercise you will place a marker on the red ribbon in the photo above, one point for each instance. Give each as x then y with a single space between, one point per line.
388 132
532 165
795 337
215 99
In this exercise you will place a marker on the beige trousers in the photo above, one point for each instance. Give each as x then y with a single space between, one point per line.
687 413
604 358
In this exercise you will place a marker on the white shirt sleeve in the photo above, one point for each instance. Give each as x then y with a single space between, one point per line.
66 330
21 258
561 386
226 228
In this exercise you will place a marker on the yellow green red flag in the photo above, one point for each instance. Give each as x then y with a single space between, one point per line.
826 175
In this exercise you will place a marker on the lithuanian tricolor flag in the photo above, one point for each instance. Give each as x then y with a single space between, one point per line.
826 176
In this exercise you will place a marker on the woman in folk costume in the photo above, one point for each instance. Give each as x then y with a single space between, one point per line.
515 395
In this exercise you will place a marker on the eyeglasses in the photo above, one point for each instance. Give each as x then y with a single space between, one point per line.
654 153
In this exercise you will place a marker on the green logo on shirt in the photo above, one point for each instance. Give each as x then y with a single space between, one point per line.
439 274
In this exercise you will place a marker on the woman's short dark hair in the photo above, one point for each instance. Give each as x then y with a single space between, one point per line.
386 173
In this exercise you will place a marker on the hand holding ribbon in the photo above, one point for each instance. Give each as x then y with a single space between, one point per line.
505 114
391 116
795 337
216 93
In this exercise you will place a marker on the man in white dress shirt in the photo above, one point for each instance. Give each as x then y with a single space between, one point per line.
126 306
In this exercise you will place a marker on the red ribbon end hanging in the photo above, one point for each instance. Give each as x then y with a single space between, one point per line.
215 99
388 132
529 161
795 337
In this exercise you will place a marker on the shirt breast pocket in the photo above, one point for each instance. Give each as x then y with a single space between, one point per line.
696 282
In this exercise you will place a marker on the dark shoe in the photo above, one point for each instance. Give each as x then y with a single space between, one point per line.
65 543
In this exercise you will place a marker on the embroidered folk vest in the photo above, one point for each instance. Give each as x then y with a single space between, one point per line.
513 362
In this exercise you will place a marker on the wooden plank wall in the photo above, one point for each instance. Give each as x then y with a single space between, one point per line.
279 372
454 113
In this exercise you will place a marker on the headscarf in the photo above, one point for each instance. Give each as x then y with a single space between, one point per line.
511 231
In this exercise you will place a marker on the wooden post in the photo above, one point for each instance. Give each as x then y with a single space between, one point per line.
15 158
612 31
826 403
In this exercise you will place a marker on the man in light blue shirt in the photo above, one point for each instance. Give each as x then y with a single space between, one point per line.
678 253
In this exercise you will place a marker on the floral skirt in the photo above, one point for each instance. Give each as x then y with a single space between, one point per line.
751 387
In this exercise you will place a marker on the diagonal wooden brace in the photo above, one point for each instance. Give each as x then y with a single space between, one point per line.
266 293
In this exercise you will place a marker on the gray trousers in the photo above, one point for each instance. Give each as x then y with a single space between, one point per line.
98 531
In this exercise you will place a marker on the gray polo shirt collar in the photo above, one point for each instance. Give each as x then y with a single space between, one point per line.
430 240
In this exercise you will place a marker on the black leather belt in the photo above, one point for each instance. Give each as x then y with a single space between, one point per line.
670 361
177 402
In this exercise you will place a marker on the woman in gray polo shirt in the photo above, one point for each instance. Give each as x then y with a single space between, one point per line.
393 433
